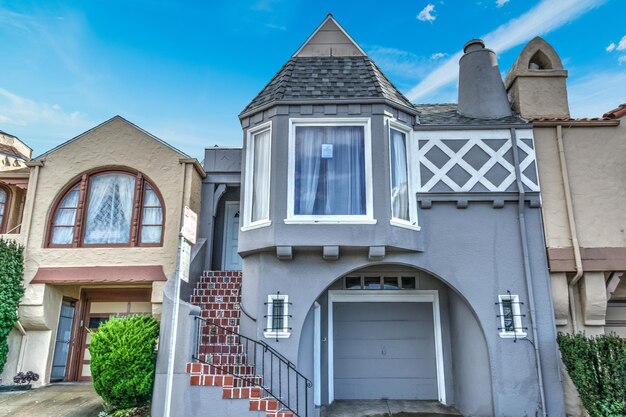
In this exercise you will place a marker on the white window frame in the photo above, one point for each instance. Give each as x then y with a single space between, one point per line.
270 332
412 223
248 224
368 217
517 318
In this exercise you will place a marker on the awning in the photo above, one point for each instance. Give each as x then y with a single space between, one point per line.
99 274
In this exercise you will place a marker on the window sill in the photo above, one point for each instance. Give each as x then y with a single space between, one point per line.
276 335
329 221
257 225
513 335
405 225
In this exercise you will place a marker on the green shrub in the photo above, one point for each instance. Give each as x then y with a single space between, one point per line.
123 354
11 291
597 365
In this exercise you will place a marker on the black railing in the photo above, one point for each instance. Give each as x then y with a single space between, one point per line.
279 378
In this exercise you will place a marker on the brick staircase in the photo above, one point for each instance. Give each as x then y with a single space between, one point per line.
221 354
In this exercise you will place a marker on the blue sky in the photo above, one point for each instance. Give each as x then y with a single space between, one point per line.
183 70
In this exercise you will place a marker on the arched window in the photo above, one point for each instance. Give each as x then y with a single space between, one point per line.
110 208
5 195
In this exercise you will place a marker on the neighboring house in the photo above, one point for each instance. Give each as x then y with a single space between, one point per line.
100 229
582 175
388 250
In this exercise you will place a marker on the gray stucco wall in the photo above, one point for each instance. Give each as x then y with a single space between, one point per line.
476 252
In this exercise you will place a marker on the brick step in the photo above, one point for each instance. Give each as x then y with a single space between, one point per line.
221 273
220 279
215 291
219 348
264 404
233 306
223 359
221 321
213 330
219 339
226 381
211 299
209 314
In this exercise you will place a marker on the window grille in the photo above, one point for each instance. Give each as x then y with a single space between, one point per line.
510 316
277 317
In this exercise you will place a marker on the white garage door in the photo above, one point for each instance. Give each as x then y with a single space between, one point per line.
384 350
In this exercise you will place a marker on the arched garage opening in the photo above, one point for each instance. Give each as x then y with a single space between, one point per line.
398 333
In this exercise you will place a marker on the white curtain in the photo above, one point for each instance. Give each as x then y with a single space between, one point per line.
152 217
308 156
261 176
333 183
3 202
65 219
110 208
399 176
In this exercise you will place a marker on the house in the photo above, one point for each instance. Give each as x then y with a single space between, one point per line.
388 250
580 163
100 228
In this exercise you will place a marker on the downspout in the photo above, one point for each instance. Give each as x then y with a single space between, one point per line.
572 227
521 207
20 358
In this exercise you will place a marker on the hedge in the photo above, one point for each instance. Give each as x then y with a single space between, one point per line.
11 291
597 366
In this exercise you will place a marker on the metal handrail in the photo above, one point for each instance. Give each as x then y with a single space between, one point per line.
257 350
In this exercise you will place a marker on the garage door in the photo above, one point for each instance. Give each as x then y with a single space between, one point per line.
384 350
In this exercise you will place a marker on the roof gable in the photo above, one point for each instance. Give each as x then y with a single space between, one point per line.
329 39
111 120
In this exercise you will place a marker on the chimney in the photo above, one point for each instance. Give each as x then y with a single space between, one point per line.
481 90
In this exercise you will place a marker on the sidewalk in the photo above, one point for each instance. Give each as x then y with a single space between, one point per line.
56 400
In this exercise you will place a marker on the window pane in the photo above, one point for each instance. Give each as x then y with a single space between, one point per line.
71 199
399 176
507 314
330 170
62 235
408 283
152 216
261 177
278 308
65 217
3 196
150 197
371 283
110 208
353 283
151 234
390 283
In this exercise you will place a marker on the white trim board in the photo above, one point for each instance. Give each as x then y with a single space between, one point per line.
382 296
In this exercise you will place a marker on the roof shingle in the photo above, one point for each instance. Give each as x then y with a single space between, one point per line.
447 114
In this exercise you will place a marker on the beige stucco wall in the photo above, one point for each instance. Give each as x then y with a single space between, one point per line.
115 143
597 176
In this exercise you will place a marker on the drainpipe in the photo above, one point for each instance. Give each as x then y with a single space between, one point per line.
521 206
572 227
20 358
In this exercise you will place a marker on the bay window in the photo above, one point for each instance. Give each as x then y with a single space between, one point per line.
258 171
402 200
330 175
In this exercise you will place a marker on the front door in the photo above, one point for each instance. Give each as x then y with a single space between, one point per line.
231 261
63 340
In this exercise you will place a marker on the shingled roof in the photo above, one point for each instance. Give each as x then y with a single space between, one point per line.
328 78
447 114
328 66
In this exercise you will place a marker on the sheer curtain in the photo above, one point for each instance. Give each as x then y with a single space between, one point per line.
399 176
152 217
3 202
332 183
261 177
307 177
110 208
65 219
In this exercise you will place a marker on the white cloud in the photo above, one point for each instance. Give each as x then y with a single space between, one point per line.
622 44
621 59
20 111
437 55
611 47
400 63
426 15
541 19
593 95
500 3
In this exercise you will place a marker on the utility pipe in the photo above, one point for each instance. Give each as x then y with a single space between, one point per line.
521 207
20 358
572 227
